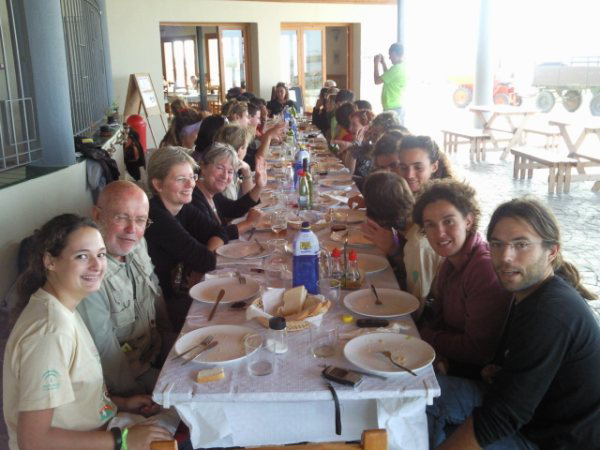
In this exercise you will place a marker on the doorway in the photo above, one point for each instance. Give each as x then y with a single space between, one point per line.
311 54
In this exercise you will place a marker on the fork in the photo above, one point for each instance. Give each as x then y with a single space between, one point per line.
388 355
377 301
207 340
240 278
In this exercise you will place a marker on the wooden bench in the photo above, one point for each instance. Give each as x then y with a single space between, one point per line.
371 440
476 139
552 136
559 177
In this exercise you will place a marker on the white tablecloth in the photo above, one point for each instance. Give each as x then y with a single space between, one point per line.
294 404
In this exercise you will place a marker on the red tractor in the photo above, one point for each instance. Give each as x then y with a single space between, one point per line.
504 94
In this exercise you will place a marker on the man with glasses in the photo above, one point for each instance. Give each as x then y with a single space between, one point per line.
122 315
543 390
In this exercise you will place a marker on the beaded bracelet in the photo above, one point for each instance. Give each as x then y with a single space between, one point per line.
124 433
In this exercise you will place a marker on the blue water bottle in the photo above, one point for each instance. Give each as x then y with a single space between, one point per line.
306 259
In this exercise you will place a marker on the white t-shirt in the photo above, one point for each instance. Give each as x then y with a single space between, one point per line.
51 362
421 262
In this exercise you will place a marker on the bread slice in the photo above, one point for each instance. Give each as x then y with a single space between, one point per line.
293 301
208 375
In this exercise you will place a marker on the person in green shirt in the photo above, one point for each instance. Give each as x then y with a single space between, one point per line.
393 80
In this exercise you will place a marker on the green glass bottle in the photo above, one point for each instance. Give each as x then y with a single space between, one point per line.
303 191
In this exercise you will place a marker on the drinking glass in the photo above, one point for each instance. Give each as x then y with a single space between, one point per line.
279 221
323 341
260 354
277 247
329 288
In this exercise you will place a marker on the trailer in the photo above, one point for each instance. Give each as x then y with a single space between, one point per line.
568 81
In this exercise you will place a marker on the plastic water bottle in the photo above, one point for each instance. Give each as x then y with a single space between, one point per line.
306 259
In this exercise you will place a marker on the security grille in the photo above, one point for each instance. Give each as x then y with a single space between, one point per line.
19 143
88 86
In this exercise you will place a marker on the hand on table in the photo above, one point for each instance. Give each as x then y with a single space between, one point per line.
254 216
381 237
141 404
356 201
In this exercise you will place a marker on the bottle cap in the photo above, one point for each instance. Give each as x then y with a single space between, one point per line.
353 256
300 173
277 323
336 253
347 318
306 225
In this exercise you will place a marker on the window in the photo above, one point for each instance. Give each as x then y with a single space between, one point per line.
179 56
19 144
88 77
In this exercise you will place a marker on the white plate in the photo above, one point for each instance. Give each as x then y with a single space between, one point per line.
207 291
351 216
243 250
355 238
230 345
411 352
372 263
395 303
337 184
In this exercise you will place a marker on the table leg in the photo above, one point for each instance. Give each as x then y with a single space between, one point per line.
560 175
551 179
517 132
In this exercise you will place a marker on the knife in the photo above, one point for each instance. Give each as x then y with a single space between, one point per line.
214 309
213 344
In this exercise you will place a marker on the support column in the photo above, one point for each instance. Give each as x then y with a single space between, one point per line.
401 22
201 69
484 78
45 40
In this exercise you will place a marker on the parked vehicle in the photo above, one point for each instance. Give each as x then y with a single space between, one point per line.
568 81
504 94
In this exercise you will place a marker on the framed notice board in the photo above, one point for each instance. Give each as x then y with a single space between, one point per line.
142 95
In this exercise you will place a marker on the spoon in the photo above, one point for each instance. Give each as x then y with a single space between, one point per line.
377 301
388 354
214 309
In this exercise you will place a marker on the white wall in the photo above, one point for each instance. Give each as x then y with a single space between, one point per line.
134 35
28 205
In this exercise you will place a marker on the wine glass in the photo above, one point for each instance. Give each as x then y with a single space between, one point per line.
279 221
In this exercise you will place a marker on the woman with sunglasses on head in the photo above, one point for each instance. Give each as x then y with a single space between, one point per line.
470 306
53 387
181 240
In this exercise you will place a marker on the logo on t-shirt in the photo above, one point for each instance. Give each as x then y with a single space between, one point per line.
50 380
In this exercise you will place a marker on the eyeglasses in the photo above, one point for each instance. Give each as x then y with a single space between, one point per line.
183 180
141 223
516 246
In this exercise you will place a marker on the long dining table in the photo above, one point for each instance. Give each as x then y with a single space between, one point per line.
294 403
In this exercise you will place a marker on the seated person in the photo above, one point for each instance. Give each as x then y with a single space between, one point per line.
181 240
126 314
53 391
344 137
543 391
470 307
206 134
237 137
237 113
216 172
279 100
319 112
389 206
261 104
342 96
259 146
183 130
363 105
358 156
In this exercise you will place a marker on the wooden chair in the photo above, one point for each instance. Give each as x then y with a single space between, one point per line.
371 440
476 139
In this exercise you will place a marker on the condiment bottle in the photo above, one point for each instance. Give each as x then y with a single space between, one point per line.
352 272
278 335
337 267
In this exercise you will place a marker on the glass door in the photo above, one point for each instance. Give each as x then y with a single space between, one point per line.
289 58
232 49
313 64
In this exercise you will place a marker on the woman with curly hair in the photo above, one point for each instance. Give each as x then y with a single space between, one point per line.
469 306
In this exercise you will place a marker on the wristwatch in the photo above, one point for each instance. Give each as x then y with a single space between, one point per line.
116 432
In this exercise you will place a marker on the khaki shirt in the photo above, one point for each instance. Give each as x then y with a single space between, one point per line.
51 363
121 317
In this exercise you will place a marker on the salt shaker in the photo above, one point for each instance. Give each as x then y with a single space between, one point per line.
278 335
